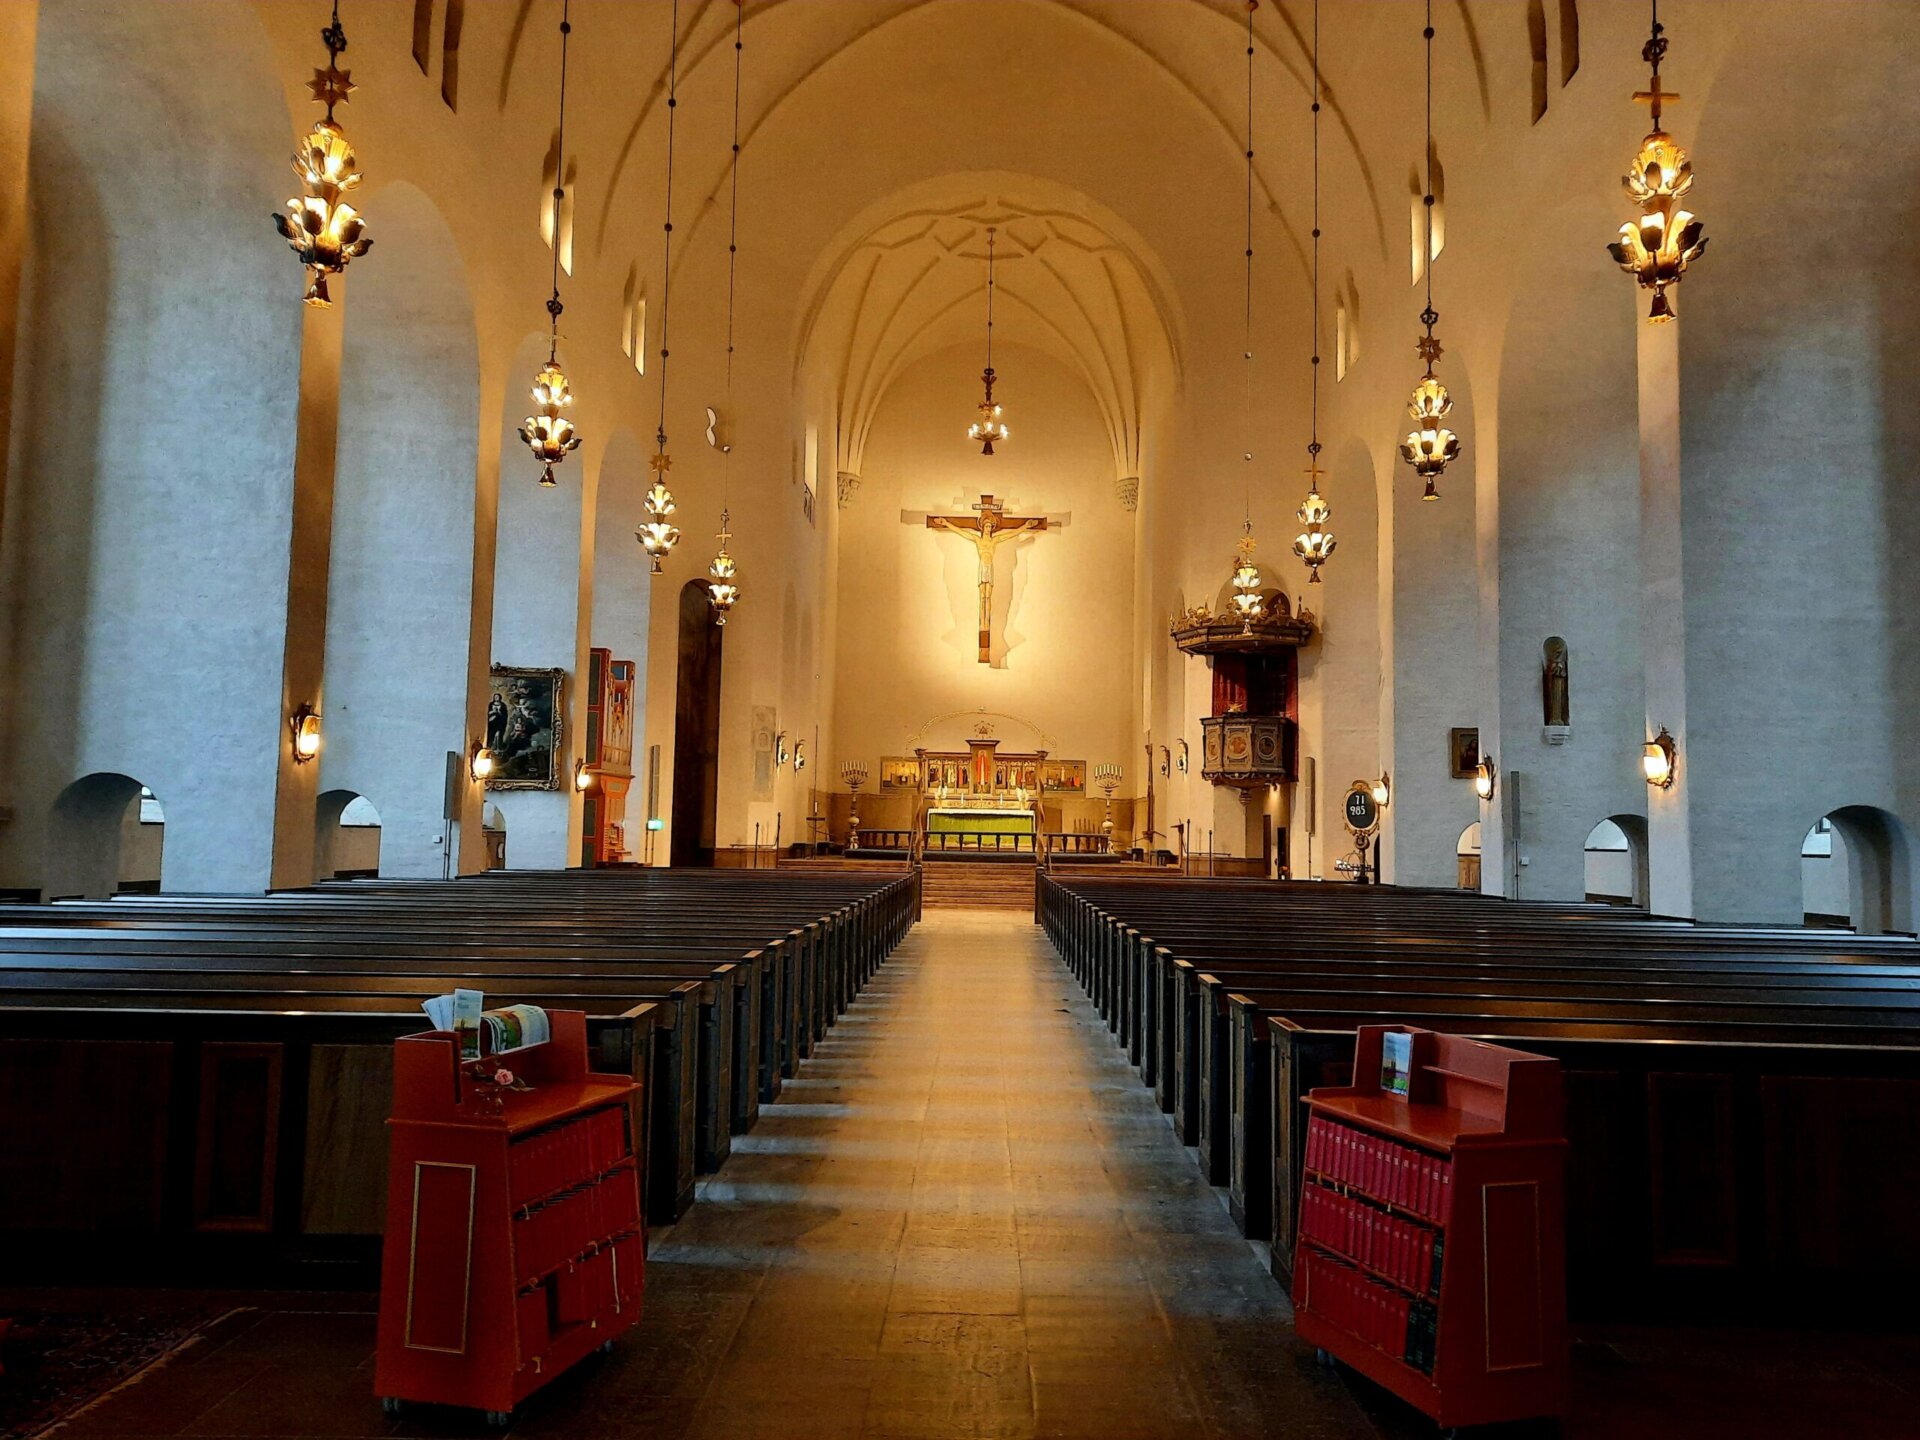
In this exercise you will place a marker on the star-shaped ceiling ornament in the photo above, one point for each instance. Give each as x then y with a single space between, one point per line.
1429 349
331 87
661 463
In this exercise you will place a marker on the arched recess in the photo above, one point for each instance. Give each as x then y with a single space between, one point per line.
1466 858
347 836
1569 542
105 836
400 581
1862 876
538 610
157 391
696 730
1616 861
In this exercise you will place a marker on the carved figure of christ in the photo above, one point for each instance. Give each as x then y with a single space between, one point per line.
990 528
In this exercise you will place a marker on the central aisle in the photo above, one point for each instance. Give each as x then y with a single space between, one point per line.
967 1218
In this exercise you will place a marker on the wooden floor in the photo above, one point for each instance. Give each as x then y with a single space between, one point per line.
966 1219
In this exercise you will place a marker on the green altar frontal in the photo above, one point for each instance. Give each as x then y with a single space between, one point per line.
957 829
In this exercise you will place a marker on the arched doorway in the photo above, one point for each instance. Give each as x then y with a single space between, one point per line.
105 837
696 730
1856 872
346 836
1616 861
1466 856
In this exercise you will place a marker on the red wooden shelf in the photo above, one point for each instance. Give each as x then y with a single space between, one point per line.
1470 1162
514 1244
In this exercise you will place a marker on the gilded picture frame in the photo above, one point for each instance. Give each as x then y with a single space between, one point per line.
526 722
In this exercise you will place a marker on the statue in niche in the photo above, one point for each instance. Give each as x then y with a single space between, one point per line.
1554 703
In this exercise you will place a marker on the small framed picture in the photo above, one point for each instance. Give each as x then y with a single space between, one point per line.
1463 752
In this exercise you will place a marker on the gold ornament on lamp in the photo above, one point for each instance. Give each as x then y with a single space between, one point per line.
723 588
659 535
1657 248
324 231
1248 603
989 428
1315 542
548 433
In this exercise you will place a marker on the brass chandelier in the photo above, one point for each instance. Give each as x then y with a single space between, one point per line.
323 230
989 428
723 582
1657 248
657 534
1315 543
1429 447
548 433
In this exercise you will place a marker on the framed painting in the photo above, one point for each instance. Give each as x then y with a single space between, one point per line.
899 772
524 720
1463 752
1063 777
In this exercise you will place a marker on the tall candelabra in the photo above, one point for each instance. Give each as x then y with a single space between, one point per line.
1107 776
855 774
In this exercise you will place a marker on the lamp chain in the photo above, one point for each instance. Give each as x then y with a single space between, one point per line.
1246 334
1313 443
733 238
666 282
1429 317
554 307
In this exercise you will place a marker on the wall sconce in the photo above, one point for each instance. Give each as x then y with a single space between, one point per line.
1483 778
1166 760
1383 790
480 762
780 750
1659 758
305 727
582 776
1181 758
799 755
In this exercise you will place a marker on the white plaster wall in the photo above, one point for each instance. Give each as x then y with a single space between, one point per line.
1800 509
400 598
907 643
1568 549
156 462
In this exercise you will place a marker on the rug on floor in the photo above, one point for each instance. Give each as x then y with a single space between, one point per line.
54 1363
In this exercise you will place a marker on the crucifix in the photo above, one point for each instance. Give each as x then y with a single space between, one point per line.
990 528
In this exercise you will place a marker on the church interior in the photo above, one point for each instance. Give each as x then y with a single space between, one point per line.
958 718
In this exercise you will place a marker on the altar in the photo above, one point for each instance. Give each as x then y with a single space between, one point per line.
978 826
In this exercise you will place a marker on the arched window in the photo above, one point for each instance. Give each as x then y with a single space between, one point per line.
1420 250
1569 40
422 33
556 213
1537 44
450 54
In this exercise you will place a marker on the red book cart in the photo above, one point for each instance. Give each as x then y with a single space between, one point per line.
514 1243
1432 1254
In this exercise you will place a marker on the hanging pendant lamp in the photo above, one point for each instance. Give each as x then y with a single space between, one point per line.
1657 248
548 433
1315 543
1248 603
657 534
323 230
1430 446
723 581
989 429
